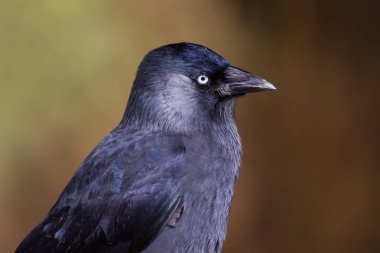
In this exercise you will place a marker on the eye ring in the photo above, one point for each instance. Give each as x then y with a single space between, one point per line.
202 79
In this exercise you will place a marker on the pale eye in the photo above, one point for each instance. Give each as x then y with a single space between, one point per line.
202 79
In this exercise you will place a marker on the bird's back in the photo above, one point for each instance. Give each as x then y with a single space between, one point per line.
125 191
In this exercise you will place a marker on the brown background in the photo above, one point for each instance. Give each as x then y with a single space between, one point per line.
310 176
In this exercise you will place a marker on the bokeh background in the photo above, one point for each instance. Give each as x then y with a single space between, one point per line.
310 180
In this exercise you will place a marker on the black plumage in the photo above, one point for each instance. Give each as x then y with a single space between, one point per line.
162 180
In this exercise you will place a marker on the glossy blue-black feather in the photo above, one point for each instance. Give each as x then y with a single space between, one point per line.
199 57
123 194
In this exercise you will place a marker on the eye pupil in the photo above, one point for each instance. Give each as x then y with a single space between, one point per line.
203 79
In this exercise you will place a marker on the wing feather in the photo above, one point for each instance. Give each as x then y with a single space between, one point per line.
123 194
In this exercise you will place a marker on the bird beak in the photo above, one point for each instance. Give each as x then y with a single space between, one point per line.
240 82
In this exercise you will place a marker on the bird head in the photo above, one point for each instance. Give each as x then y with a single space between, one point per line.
186 86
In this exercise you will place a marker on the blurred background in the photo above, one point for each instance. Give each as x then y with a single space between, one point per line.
310 179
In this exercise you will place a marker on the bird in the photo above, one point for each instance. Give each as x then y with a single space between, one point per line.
162 180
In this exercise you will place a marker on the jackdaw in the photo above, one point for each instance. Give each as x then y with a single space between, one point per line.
163 179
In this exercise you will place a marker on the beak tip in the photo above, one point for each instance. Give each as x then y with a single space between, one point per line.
265 85
269 85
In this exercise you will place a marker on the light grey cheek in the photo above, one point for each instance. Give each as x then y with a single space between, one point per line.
181 95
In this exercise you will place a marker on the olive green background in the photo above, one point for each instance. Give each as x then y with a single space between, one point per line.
311 166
